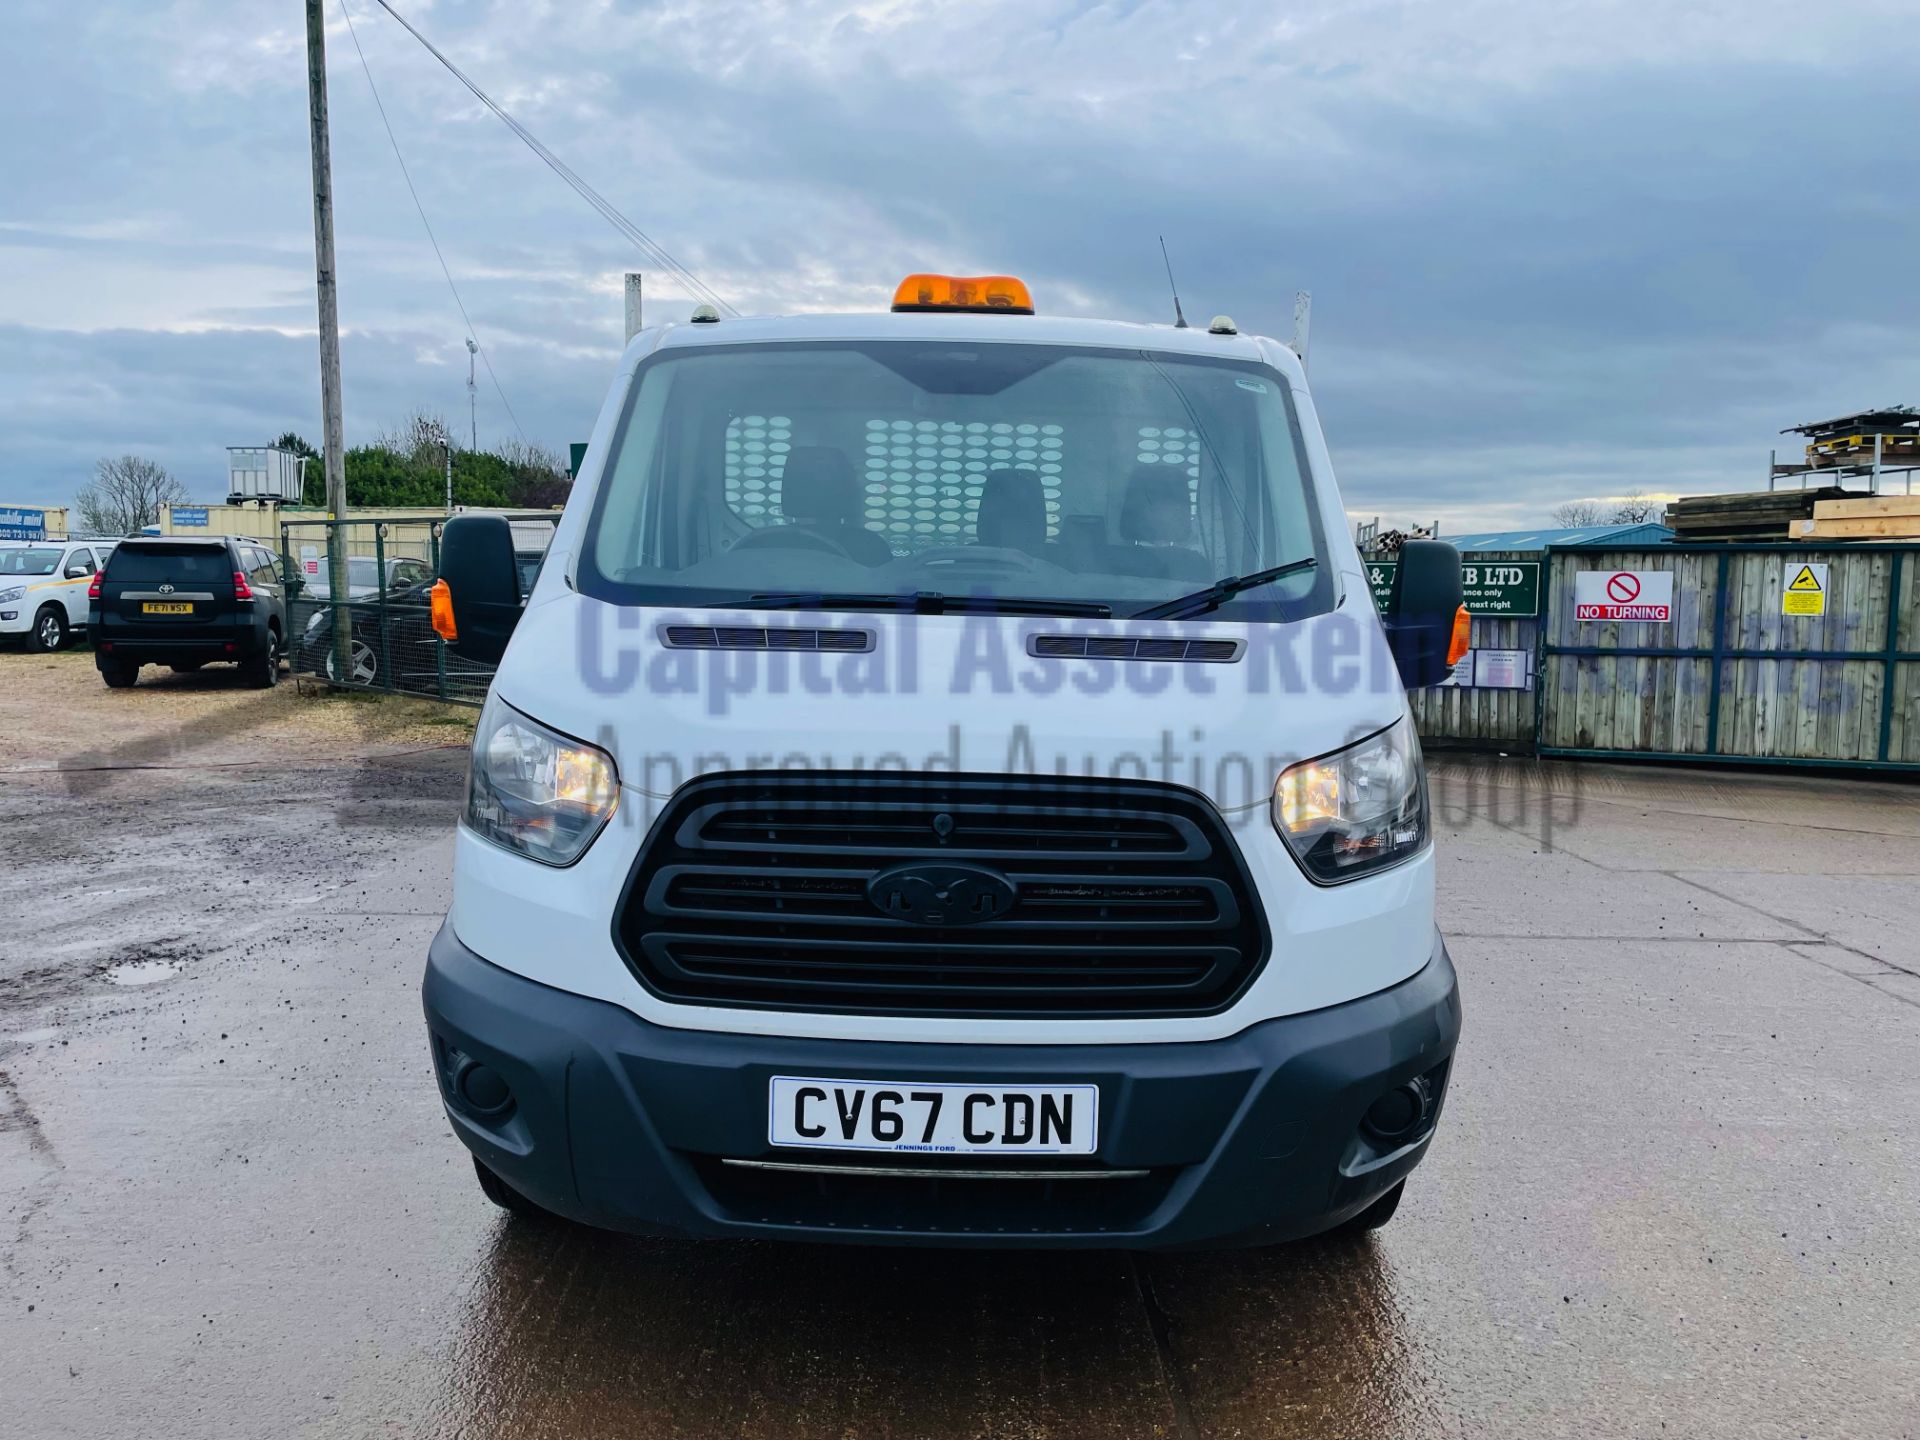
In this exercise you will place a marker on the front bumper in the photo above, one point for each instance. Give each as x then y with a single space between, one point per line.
624 1124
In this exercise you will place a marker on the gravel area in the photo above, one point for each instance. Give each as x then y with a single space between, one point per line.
58 715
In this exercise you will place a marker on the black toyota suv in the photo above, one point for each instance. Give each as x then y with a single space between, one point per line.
184 603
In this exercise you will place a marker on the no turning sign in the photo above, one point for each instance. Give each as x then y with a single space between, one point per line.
1636 595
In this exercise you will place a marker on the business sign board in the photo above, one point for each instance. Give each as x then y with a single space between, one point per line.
1506 588
190 515
1380 581
1492 670
1623 595
1805 591
17 523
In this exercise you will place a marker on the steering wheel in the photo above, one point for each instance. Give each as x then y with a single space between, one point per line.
790 537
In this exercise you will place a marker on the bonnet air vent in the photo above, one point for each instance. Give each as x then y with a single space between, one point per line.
1120 647
763 637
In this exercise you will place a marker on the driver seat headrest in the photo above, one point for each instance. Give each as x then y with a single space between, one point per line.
1013 511
1158 509
818 485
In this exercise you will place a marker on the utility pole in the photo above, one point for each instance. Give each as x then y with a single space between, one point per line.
446 446
333 442
634 322
1302 317
473 402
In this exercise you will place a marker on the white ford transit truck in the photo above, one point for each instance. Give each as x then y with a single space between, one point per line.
949 784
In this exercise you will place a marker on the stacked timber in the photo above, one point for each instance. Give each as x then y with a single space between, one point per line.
1874 517
1760 516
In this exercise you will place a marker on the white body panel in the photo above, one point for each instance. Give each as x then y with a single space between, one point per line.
952 692
71 594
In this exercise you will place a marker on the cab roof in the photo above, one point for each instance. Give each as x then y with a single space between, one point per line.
924 325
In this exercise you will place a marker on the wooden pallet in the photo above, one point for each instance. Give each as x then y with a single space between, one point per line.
1858 449
1760 515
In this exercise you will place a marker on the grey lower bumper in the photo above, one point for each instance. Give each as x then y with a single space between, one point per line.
624 1124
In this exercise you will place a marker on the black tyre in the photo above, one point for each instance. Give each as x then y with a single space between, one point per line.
49 630
262 671
119 675
1375 1215
506 1197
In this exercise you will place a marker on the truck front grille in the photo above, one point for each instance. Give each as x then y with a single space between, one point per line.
1102 897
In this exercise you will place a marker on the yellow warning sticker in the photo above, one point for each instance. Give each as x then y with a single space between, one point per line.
1806 591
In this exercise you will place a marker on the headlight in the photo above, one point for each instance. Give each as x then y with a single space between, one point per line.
13 594
1357 810
316 620
536 792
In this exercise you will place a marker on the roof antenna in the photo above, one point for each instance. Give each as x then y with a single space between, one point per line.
1179 320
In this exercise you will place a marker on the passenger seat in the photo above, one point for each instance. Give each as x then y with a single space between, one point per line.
1156 527
820 491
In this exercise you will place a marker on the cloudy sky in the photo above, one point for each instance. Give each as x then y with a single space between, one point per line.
1555 249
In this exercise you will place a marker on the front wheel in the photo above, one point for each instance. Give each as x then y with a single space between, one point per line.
1375 1215
119 675
49 630
506 1197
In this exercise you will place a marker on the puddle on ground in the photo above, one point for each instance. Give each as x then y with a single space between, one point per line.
142 972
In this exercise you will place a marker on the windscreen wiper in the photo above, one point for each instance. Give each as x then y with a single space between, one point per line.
1216 594
919 602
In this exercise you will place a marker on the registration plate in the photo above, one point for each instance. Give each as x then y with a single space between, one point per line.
933 1117
166 607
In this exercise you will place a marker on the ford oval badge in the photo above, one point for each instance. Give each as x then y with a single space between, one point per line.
933 893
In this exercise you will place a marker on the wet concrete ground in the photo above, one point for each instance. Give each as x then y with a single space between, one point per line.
1677 1191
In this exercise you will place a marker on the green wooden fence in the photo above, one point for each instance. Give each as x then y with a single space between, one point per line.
1733 676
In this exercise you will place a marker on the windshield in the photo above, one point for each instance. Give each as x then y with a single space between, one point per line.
199 564
28 562
363 573
1121 478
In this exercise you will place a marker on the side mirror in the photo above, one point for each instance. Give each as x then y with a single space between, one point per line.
481 585
78 572
1423 611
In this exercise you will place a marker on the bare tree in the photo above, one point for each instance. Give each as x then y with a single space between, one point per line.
1634 508
126 495
531 455
1577 514
417 438
540 477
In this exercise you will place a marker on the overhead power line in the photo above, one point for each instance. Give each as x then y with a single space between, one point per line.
644 242
427 225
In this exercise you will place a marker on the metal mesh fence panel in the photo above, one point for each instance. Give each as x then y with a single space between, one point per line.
377 634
